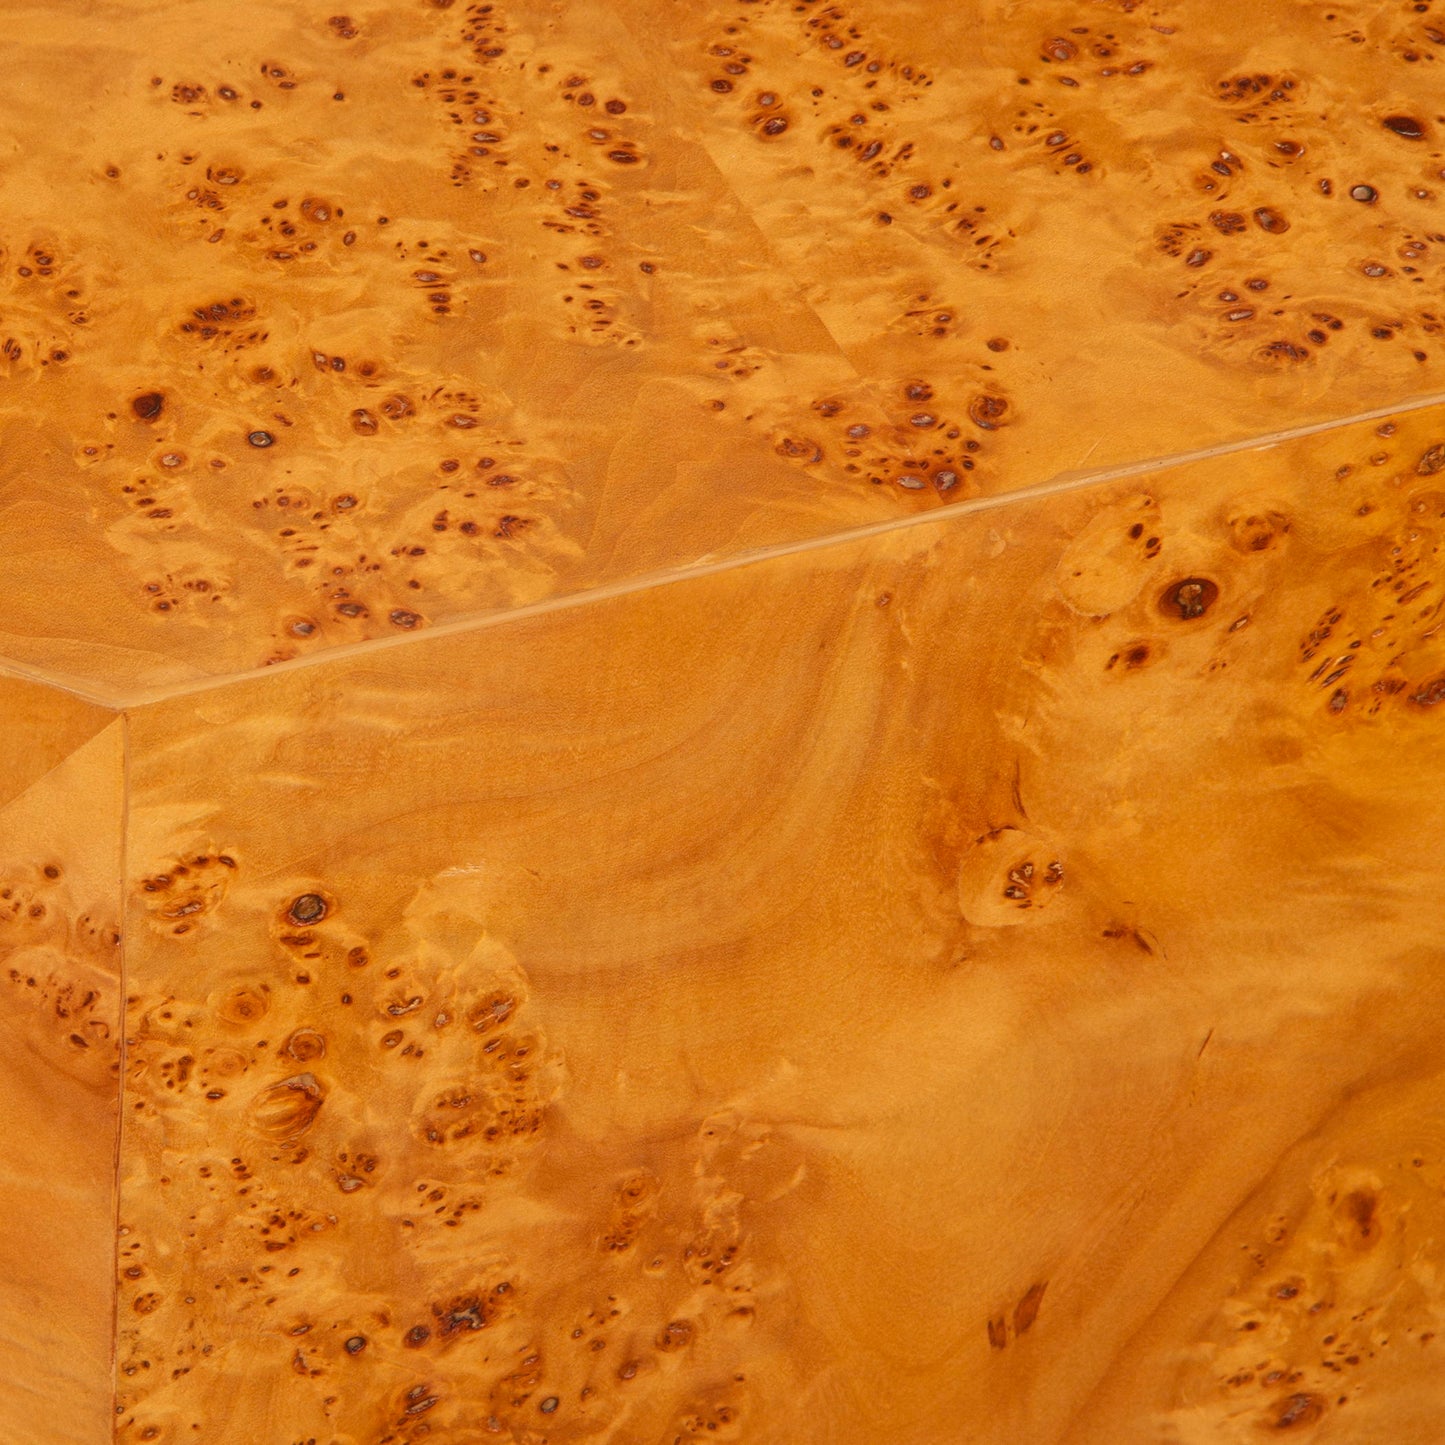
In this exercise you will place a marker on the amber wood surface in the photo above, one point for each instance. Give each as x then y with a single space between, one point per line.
60 871
610 954
40 727
318 326
979 984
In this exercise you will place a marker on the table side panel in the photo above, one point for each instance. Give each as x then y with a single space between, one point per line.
964 986
60 873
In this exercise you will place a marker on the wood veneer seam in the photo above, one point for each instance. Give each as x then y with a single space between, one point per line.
1061 483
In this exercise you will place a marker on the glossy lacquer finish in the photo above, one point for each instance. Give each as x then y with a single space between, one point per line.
721 722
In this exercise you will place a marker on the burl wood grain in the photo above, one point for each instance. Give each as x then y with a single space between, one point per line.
60 1024
322 327
978 984
683 756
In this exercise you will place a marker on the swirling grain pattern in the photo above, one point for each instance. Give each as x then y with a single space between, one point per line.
681 756
970 985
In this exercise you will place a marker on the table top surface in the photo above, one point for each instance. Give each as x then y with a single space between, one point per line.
321 330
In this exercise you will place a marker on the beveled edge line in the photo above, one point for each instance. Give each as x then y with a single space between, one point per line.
123 1052
1061 482
86 689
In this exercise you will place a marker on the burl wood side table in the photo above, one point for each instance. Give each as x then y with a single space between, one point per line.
722 721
